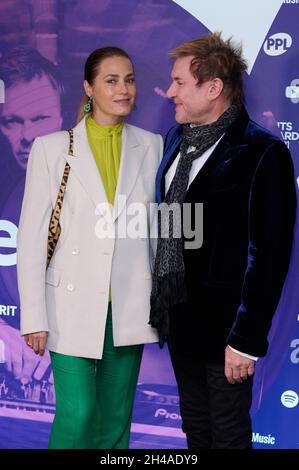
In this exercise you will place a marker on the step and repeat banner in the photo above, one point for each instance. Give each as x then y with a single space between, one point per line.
40 92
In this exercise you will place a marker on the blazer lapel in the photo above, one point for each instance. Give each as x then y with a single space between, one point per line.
83 165
227 149
170 154
132 156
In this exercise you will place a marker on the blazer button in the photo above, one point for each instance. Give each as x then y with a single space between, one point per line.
147 275
70 287
75 251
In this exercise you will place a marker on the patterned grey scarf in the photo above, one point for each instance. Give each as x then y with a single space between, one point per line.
169 271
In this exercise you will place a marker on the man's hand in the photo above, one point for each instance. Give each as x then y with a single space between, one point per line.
237 367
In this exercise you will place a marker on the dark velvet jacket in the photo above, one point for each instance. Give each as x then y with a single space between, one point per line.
234 280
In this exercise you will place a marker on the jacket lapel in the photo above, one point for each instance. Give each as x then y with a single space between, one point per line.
86 171
227 149
221 155
171 149
132 156
83 165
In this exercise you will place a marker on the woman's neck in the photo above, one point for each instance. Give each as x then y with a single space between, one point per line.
107 120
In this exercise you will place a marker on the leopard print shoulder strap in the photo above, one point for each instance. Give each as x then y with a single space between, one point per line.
54 226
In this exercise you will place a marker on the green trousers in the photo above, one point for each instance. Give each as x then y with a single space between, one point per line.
94 398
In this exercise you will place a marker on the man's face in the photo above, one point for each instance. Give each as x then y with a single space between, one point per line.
192 103
31 109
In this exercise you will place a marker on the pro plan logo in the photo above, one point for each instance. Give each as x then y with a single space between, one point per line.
277 44
289 399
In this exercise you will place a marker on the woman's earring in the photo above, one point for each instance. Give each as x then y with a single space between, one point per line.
87 106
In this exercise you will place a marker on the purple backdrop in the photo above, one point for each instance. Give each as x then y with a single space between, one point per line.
65 32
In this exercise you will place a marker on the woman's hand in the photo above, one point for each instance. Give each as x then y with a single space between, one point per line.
37 341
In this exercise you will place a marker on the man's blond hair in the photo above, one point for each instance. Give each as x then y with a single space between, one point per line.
215 58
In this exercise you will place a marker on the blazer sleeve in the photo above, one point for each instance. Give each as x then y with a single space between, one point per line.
272 209
32 242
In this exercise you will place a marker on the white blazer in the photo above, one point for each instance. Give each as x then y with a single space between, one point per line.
70 299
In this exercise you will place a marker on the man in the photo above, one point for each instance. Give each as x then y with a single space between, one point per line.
32 100
32 107
215 303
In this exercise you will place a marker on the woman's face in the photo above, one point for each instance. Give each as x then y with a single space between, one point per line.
113 90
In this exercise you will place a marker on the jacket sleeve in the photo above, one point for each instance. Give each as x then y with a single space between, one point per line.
32 242
272 209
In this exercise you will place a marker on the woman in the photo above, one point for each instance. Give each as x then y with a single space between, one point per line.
95 334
